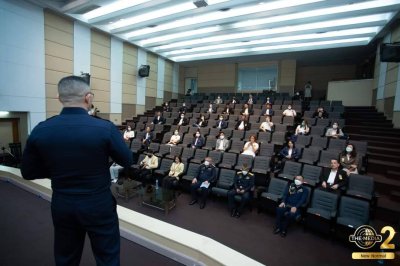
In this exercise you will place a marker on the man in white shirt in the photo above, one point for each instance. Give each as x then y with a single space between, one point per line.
333 178
289 111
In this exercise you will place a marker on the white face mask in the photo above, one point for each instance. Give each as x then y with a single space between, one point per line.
221 137
297 182
334 126
349 149
197 135
206 163
176 132
182 116
221 118
289 108
244 172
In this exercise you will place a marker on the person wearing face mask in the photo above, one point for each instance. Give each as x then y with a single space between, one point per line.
166 107
293 198
158 119
320 113
201 122
333 178
221 123
218 100
348 159
334 132
228 110
149 163
183 109
302 129
129 133
148 137
222 143
175 172
246 110
205 178
242 186
267 125
182 120
267 110
72 150
289 111
175 138
198 141
289 152
242 124
251 147
211 109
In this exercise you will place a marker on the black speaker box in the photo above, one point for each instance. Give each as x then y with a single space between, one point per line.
86 78
144 70
390 52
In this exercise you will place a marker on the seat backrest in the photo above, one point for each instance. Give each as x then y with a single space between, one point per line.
362 183
226 178
277 186
361 146
278 138
229 158
288 120
193 169
204 131
166 164
264 137
318 141
164 149
292 168
245 159
317 130
176 151
136 145
166 137
337 144
200 154
324 200
238 134
227 132
154 146
311 172
354 208
326 157
303 141
216 156
262 162
141 157
323 122
267 149
187 153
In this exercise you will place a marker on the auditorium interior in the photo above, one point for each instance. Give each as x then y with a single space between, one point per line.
196 58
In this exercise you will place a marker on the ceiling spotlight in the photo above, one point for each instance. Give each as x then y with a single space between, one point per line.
200 3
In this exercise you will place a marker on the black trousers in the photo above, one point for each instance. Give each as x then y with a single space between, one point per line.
144 176
169 182
76 215
284 216
203 192
243 201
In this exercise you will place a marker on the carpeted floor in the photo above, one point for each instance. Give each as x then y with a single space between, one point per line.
27 235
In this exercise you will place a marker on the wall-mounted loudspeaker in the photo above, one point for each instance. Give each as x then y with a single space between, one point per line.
144 70
390 52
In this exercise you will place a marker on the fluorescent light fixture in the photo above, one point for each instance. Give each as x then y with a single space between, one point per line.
171 10
270 49
249 34
113 7
221 15
342 33
4 113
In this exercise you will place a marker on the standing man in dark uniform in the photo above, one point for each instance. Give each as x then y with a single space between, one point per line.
242 186
73 150
206 175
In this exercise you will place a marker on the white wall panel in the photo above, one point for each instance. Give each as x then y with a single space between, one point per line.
81 49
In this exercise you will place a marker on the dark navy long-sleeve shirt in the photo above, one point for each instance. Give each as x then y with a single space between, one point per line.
73 149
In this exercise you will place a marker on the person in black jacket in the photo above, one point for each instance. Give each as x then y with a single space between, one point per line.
242 186
158 119
293 198
73 150
221 123
334 179
204 179
198 141
242 124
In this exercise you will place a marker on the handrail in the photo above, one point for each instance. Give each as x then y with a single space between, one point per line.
179 244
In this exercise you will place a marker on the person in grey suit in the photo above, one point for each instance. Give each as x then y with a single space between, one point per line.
222 143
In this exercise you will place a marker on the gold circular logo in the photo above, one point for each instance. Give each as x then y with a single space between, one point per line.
365 237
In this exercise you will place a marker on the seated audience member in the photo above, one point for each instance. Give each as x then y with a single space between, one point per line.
349 160
148 137
242 186
246 110
289 111
171 181
228 110
182 121
149 163
175 138
222 143
183 108
320 113
211 109
205 177
221 123
251 100
333 178
251 147
267 125
289 152
267 110
302 129
233 101
268 100
218 100
158 119
166 107
198 141
293 198
334 132
201 122
242 124
114 172
129 134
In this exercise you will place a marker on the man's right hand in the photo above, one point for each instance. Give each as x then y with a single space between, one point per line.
282 205
194 181
324 184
